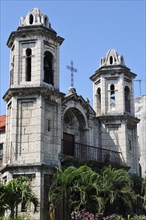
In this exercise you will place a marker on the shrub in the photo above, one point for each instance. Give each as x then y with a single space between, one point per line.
17 218
138 217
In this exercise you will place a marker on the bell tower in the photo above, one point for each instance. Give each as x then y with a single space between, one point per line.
113 99
33 131
34 49
113 86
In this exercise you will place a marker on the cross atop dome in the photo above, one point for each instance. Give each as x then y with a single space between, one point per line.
35 17
112 58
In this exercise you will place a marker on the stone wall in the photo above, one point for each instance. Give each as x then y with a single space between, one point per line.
140 112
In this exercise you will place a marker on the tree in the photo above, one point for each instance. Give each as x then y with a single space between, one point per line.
138 187
17 191
144 193
61 188
77 188
2 199
117 192
85 190
107 192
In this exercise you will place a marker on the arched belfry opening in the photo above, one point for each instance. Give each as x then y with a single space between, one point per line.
31 19
46 21
28 64
127 99
48 68
112 95
98 96
111 60
74 133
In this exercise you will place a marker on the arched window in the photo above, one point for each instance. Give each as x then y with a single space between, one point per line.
112 95
111 60
31 19
127 99
48 68
98 100
28 65
46 21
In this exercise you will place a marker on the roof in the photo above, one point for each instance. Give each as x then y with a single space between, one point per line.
112 58
35 17
2 122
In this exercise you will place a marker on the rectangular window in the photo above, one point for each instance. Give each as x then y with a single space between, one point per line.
49 125
1 153
11 76
130 145
130 138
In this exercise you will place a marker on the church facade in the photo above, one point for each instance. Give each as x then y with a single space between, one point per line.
46 128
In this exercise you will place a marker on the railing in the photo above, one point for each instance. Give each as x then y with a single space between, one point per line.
92 153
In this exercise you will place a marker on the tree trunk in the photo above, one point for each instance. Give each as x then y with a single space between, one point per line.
12 212
66 207
16 211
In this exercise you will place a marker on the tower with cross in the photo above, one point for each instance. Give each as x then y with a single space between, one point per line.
46 128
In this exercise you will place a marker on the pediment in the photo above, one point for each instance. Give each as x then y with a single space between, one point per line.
78 101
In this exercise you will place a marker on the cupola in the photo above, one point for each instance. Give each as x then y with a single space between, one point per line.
35 17
112 58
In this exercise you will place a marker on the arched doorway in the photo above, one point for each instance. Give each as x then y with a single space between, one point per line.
74 133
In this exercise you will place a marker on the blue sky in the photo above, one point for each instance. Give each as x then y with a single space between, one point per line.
90 29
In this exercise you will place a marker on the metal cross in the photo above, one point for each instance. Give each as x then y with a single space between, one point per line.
73 70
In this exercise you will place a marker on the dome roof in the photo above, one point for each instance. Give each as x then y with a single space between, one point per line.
112 58
35 17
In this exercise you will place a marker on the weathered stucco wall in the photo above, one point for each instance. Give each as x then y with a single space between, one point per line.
140 112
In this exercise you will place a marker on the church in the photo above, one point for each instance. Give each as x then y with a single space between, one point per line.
45 128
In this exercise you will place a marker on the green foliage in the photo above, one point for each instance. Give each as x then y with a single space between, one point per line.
16 218
61 188
138 217
139 187
116 189
73 184
14 192
144 193
110 191
2 199
137 183
84 190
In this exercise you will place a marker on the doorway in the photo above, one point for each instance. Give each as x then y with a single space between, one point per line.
68 144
